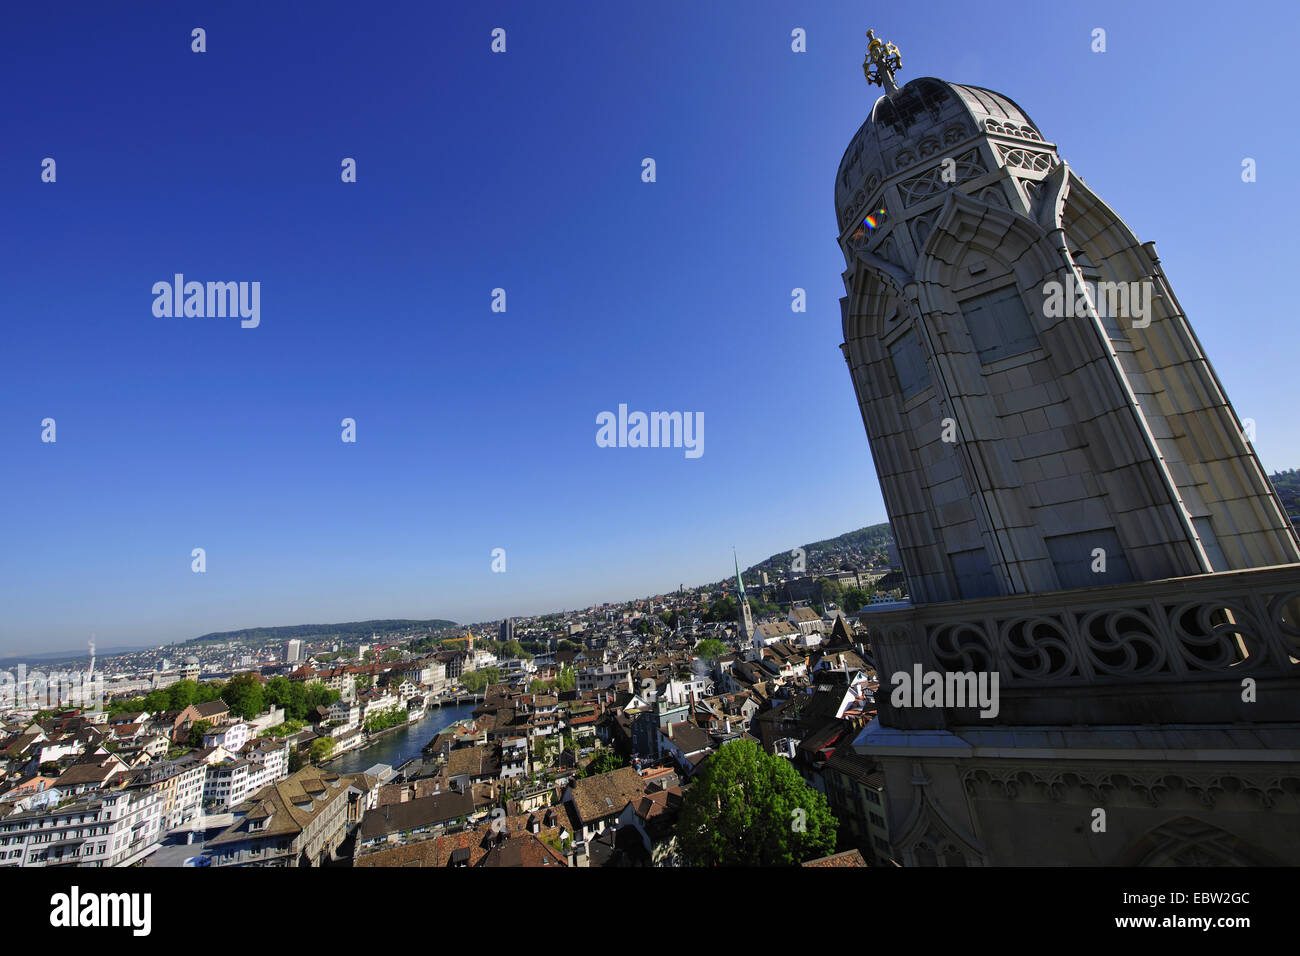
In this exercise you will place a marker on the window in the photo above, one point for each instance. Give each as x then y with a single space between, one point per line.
909 365
999 325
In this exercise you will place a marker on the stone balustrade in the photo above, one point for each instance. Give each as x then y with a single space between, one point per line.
1074 656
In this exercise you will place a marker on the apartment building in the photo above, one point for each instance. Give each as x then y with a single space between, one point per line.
114 828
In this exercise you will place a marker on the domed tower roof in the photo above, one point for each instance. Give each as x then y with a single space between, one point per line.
922 118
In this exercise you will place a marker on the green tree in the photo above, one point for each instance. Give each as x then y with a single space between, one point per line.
854 599
748 808
197 730
711 648
830 591
318 695
243 695
476 681
723 609
385 719
604 761
181 694
296 708
513 649
567 679
321 749
279 693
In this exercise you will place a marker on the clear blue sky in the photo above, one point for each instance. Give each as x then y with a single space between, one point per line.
476 430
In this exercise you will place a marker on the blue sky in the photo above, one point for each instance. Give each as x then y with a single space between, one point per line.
523 171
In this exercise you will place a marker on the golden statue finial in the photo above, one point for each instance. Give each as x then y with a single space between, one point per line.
882 62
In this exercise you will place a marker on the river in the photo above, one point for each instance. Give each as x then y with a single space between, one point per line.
400 746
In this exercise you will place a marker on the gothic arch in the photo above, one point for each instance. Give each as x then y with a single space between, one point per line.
930 837
1187 841
967 225
876 293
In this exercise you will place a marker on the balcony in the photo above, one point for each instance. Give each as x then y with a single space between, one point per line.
1170 651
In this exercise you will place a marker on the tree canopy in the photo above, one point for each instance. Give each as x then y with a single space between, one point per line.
243 695
197 730
322 748
604 761
566 679
177 696
749 808
512 649
711 648
722 610
476 681
830 591
855 599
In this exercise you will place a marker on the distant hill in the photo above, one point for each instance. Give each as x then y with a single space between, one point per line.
1287 484
344 633
853 547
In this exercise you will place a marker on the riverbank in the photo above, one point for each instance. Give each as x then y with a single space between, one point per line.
395 746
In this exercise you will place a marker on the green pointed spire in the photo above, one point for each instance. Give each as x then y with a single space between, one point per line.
740 583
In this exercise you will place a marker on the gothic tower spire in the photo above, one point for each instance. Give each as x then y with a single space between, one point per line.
743 615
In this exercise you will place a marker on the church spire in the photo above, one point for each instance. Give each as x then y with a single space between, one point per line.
744 617
882 62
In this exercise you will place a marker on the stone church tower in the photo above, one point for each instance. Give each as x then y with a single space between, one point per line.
1077 508
744 616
